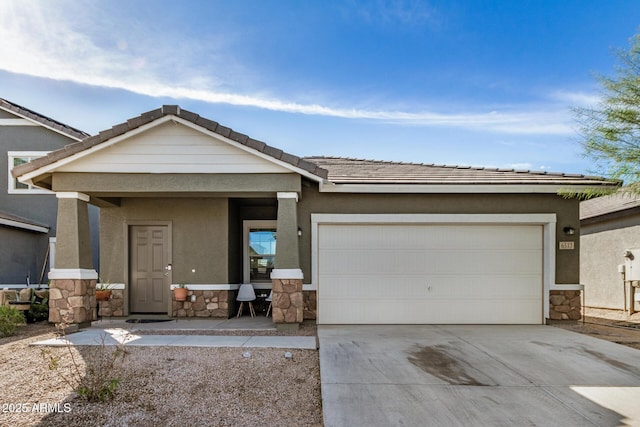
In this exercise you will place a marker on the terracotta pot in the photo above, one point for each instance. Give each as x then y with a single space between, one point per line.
180 294
103 295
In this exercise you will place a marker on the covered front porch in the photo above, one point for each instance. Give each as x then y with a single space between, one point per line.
180 198
211 245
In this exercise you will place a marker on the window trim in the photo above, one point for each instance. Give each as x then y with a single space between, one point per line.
247 226
31 155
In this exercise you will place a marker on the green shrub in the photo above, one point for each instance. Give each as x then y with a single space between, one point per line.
38 313
10 319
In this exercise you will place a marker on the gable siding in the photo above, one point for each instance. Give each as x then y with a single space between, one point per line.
173 148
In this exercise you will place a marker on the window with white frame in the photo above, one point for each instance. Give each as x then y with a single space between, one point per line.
259 250
17 158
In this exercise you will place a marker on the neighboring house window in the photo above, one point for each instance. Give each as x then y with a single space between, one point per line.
17 158
259 250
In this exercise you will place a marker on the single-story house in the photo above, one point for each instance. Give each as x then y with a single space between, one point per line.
28 213
185 200
610 226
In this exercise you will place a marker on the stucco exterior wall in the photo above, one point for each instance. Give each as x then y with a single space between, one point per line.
40 208
602 247
23 251
567 211
199 237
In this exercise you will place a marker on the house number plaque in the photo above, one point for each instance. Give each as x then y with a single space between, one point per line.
566 246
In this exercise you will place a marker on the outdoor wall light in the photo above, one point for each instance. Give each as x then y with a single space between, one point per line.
299 232
569 231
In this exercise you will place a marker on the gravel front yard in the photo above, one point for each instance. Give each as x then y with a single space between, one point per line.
165 386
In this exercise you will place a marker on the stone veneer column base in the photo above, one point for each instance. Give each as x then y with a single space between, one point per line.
114 306
565 305
206 304
72 301
287 307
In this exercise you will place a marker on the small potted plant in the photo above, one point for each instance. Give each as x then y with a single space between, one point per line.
180 292
103 293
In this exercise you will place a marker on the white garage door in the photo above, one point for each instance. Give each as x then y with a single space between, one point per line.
413 274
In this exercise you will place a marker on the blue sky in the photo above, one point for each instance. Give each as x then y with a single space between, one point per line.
480 83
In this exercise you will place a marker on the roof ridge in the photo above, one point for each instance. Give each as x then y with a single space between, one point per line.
45 120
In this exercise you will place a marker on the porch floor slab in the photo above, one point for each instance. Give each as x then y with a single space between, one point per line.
176 333
186 324
113 336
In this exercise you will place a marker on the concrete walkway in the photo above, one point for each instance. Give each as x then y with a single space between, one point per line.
176 333
475 375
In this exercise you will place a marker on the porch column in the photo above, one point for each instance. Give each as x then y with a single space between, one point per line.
286 277
72 279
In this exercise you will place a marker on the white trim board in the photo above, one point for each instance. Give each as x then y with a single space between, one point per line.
37 123
328 187
73 273
24 226
17 122
547 220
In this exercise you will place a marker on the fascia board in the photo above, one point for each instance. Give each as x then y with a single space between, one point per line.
326 187
37 123
24 226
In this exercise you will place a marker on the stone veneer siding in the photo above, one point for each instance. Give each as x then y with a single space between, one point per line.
72 301
310 304
288 302
565 305
207 304
114 306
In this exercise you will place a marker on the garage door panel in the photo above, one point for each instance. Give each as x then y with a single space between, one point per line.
437 237
429 273
405 312
391 262
371 287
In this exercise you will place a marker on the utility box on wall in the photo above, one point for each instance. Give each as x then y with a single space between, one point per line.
632 264
632 277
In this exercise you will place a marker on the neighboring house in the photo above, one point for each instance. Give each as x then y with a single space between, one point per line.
186 200
609 226
27 213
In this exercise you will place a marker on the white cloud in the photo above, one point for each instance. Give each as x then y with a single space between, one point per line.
39 40
576 99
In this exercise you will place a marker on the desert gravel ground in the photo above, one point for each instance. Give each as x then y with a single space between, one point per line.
611 325
163 386
173 386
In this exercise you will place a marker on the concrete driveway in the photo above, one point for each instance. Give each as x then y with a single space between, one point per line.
475 375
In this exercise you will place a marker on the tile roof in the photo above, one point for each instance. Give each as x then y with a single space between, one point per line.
44 120
156 114
615 203
338 170
359 171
